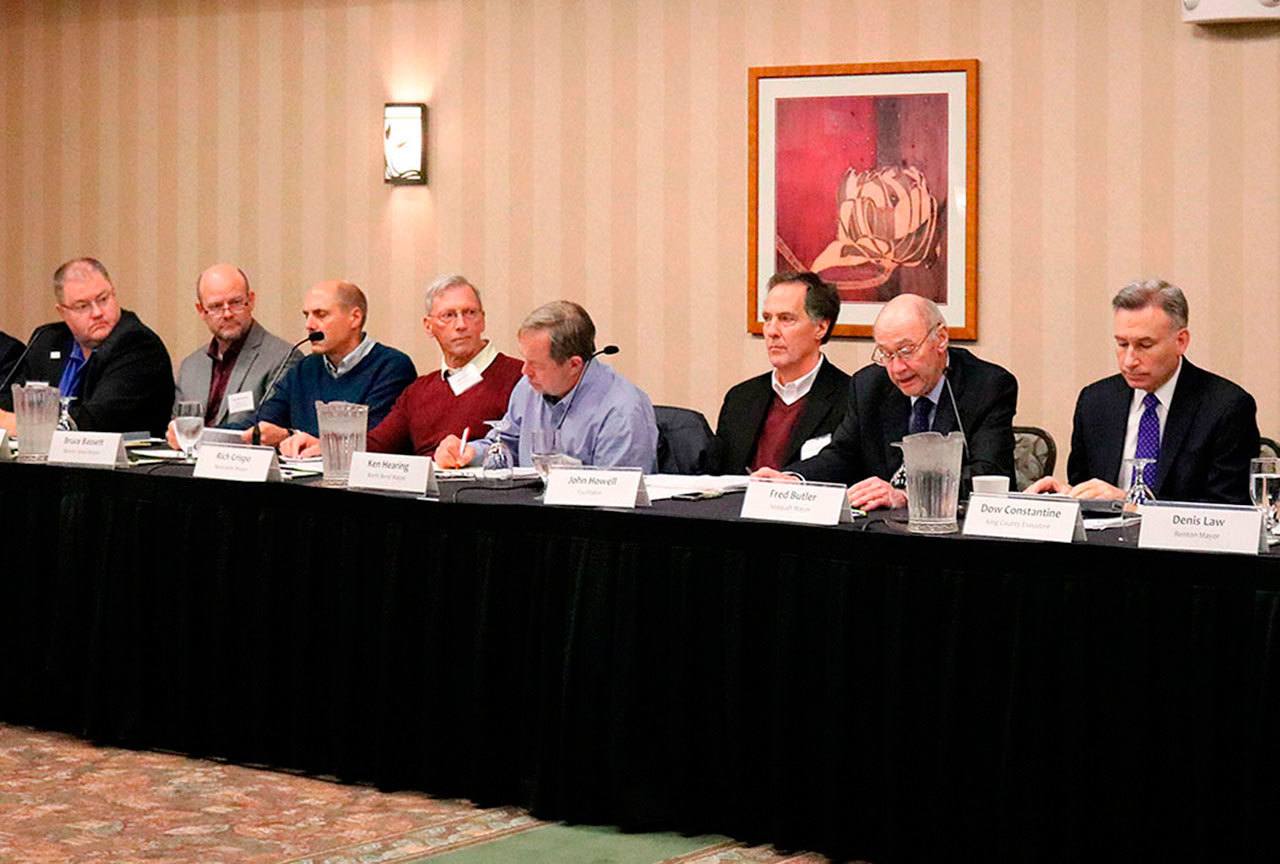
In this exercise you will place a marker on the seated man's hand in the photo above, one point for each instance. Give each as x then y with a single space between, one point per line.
1050 485
447 455
874 493
171 437
300 445
1096 490
774 474
9 422
271 434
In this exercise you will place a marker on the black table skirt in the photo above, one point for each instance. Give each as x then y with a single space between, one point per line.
856 691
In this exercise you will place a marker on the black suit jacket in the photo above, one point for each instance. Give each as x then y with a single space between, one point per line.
127 382
877 415
746 405
1209 437
10 351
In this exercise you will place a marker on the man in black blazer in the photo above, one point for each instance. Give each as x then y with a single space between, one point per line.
1201 428
916 383
116 367
789 413
10 351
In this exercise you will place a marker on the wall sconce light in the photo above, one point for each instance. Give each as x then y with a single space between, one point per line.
404 144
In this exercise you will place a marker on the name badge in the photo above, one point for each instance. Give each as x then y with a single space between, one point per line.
241 462
1202 527
6 454
238 403
806 503
88 449
464 379
1047 518
585 486
389 473
55 355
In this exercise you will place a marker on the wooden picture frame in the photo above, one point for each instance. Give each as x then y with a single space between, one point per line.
867 174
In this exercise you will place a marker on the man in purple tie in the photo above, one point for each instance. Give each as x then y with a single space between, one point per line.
1199 428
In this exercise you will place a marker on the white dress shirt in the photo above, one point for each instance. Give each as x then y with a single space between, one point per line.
1165 394
798 389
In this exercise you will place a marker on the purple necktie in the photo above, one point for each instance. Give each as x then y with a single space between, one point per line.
1148 446
920 416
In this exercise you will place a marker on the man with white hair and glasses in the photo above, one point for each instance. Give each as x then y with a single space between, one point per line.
917 382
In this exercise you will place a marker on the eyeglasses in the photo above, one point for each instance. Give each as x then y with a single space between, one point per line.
84 306
446 318
906 353
239 304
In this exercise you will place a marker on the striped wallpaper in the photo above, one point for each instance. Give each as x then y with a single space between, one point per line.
596 150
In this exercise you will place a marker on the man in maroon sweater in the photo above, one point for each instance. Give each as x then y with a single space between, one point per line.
473 386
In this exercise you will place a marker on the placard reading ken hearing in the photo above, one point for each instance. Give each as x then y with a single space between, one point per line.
388 472
583 486
1048 518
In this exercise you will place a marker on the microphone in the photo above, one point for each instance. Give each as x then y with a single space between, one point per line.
608 350
315 336
25 351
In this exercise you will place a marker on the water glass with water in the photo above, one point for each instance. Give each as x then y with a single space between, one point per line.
343 427
35 407
188 423
544 444
1264 487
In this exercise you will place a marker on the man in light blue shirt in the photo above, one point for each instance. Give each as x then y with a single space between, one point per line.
603 418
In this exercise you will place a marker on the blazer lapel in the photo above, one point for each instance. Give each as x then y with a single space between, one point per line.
817 405
245 361
1182 411
1113 427
894 421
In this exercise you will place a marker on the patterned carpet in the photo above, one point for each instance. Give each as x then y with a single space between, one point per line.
63 800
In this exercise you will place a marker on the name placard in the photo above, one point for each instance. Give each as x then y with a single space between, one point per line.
585 486
6 453
88 449
806 503
1201 527
1048 518
240 462
388 472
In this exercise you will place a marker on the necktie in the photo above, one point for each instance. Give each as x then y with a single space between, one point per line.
1148 446
920 416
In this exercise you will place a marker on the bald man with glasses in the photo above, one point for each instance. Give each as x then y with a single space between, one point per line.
916 383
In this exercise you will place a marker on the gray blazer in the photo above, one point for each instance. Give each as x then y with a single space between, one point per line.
261 354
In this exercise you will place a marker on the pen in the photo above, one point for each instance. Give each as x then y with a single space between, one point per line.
463 446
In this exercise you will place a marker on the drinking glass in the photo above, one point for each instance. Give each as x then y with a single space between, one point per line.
545 447
343 429
188 423
65 422
1139 492
1264 487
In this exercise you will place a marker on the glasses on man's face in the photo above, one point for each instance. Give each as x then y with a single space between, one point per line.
445 319
231 306
906 353
84 307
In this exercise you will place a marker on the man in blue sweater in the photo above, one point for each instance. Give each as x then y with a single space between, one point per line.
345 365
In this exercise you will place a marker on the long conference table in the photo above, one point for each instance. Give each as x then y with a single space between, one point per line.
855 690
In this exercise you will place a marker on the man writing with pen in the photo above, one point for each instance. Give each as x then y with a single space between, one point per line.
602 418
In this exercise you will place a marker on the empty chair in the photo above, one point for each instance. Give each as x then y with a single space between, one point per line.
685 442
1034 454
1268 447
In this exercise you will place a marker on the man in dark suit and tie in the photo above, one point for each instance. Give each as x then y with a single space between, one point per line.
1200 428
916 383
787 414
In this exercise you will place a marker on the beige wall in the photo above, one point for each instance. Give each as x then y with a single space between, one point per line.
597 150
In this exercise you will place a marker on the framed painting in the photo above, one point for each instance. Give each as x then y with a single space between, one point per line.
867 175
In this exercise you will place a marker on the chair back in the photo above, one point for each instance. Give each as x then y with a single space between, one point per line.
1034 454
685 442
1268 447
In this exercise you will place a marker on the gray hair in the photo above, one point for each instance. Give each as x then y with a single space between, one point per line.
1142 293
821 300
74 270
444 283
572 332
